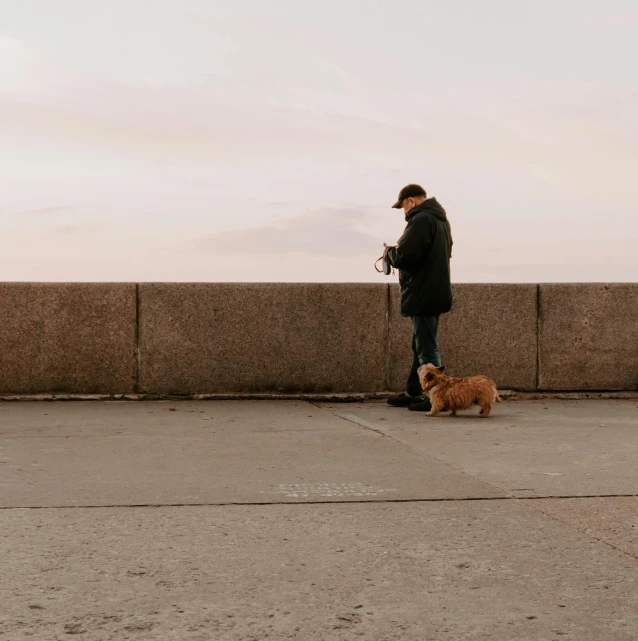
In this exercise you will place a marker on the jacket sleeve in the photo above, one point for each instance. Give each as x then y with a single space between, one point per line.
412 246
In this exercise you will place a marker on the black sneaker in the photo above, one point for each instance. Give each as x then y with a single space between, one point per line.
403 400
423 406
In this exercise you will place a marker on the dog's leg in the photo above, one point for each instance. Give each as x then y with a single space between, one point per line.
485 410
437 407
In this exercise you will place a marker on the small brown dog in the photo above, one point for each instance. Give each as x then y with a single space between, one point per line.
447 393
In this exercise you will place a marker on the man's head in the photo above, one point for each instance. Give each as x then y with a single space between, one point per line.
409 197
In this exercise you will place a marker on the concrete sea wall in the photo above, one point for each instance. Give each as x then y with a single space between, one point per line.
187 338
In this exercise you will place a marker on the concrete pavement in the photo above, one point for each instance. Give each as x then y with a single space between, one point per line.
290 520
540 448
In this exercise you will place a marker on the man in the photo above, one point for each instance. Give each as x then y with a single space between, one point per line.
422 257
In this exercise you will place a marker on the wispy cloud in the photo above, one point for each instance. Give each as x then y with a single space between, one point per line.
45 211
70 230
616 19
9 44
328 231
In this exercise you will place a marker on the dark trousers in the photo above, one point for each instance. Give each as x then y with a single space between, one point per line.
424 349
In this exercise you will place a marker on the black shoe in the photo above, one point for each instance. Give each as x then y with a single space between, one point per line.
403 400
423 406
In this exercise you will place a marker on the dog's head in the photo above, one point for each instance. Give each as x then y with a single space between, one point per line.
429 375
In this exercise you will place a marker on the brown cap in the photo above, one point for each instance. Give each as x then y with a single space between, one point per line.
409 191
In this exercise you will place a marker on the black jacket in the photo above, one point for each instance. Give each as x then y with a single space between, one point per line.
422 257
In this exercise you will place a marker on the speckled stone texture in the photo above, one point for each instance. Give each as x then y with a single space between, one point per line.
307 338
222 337
491 330
589 336
58 337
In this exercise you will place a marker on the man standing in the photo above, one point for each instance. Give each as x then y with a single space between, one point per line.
422 257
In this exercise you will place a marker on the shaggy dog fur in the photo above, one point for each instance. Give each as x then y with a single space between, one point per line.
447 393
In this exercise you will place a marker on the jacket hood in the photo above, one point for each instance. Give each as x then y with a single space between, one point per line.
431 206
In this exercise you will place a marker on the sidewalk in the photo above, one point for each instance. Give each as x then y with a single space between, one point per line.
242 520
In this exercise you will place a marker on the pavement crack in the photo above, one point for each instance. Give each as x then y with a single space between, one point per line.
353 418
462 499
584 531
252 503
357 420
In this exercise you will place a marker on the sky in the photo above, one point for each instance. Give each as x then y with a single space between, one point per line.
245 140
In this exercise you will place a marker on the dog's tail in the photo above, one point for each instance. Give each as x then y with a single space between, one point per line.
497 398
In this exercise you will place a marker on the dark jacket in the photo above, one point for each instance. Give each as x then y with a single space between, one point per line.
422 257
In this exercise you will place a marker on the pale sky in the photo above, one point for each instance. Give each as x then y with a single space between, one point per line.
254 140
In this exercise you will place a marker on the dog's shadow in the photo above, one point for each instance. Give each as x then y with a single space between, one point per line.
466 415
